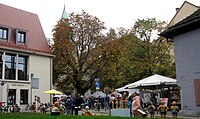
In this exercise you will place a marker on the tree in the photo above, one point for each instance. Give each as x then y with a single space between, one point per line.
148 29
79 51
154 51
140 54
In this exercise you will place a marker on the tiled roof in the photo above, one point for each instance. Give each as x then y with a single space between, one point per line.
18 19
190 23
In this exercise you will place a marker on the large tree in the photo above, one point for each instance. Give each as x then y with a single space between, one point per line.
140 54
154 52
79 51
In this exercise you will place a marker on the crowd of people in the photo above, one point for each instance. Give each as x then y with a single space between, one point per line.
9 108
72 105
161 107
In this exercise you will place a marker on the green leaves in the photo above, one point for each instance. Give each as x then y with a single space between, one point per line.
82 52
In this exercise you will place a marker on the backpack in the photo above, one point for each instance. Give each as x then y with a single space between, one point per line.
68 104
151 109
107 98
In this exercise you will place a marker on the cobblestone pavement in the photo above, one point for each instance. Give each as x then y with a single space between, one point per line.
103 112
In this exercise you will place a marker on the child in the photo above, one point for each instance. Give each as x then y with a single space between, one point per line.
175 110
54 109
87 112
151 108
163 109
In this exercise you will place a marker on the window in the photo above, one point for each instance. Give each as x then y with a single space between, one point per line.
23 96
22 68
10 66
3 33
21 37
1 64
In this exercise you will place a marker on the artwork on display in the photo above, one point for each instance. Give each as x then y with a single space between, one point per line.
165 100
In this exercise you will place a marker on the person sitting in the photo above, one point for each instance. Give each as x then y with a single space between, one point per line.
16 108
54 109
174 109
87 112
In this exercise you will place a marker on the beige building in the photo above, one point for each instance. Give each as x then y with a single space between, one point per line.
25 58
184 11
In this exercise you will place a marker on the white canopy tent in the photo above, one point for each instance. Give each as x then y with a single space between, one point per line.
98 93
125 89
153 80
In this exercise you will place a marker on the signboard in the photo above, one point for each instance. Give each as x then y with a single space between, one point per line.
97 84
35 83
165 100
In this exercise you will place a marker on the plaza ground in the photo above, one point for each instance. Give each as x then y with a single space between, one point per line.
103 112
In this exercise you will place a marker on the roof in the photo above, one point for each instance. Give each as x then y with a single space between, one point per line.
153 80
18 19
64 14
184 11
190 23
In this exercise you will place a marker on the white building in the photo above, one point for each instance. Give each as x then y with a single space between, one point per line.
24 55
185 35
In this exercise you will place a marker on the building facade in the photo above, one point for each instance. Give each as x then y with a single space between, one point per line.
25 58
185 35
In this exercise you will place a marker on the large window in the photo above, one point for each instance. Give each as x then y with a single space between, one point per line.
10 66
3 33
1 64
22 68
23 96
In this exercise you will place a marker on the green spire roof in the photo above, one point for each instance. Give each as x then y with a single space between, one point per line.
64 14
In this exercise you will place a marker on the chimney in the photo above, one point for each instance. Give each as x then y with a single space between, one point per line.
177 9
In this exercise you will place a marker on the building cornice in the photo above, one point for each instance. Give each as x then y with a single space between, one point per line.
26 51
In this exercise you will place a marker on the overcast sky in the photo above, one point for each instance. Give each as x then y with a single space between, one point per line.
115 13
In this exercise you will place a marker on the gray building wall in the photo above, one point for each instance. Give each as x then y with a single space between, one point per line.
187 53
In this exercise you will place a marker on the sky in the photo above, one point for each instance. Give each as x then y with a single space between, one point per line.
114 13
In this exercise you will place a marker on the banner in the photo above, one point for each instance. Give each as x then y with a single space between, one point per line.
165 100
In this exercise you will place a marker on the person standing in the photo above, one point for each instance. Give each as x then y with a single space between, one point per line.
135 104
163 109
174 109
68 105
106 103
151 109
78 100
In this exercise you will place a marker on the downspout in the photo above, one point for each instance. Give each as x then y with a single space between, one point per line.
51 82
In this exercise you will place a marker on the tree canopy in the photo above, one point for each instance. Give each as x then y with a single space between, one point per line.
78 49
83 51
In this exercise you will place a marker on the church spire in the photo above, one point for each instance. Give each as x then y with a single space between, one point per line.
64 14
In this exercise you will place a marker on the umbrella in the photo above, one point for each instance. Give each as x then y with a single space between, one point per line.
53 92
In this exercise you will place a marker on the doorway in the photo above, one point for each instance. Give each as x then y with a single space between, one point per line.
11 96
